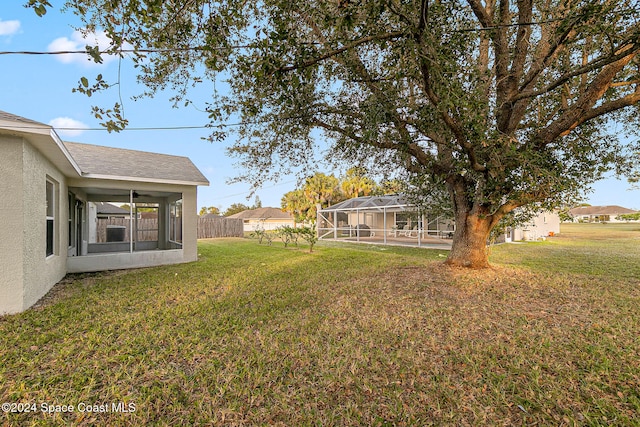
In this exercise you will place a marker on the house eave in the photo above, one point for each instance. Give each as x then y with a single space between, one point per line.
66 153
148 180
46 140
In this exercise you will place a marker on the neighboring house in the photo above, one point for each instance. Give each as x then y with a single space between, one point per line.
108 210
545 224
210 216
391 219
103 215
388 219
47 189
599 213
264 218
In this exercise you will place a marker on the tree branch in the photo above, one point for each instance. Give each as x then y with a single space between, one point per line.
549 51
448 120
342 49
402 16
608 107
481 13
414 150
582 110
594 65
525 15
502 211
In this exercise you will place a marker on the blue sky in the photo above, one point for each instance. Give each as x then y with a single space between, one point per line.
38 87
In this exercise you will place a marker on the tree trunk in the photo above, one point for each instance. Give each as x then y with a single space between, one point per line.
470 241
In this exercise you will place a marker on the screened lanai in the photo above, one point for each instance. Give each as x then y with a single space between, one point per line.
389 220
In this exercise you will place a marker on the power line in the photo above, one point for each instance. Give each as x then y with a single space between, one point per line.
108 52
279 184
151 128
258 46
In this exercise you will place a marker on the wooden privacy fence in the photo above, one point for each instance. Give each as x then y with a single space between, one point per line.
147 229
220 227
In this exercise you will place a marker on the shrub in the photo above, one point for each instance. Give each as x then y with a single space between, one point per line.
261 234
309 235
288 235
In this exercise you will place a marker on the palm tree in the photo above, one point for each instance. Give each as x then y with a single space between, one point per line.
357 184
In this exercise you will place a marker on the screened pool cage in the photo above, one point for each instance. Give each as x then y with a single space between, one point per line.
388 220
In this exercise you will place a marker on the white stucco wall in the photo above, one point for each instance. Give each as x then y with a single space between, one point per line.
11 226
124 260
42 272
27 273
267 224
541 226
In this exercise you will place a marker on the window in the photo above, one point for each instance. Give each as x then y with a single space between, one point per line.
51 216
72 215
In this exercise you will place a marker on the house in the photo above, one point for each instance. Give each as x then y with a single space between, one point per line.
392 219
389 219
543 225
48 187
264 218
609 213
108 210
210 216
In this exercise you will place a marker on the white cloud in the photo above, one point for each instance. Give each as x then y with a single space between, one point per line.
66 126
79 41
9 28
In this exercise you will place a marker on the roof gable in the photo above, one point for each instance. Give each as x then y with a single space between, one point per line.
43 137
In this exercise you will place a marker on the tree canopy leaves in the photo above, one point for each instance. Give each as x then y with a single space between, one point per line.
504 103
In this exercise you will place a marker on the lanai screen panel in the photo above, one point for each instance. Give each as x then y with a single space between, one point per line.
388 219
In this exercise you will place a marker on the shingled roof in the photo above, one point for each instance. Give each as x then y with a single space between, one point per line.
13 118
600 210
94 161
262 213
108 162
109 209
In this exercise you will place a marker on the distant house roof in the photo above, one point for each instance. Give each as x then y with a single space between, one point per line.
104 208
210 215
600 210
108 162
262 213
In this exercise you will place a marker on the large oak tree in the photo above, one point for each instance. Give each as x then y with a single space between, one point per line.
504 103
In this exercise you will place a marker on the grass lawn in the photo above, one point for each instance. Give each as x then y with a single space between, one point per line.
344 336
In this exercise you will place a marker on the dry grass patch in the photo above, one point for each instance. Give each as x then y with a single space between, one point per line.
471 348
